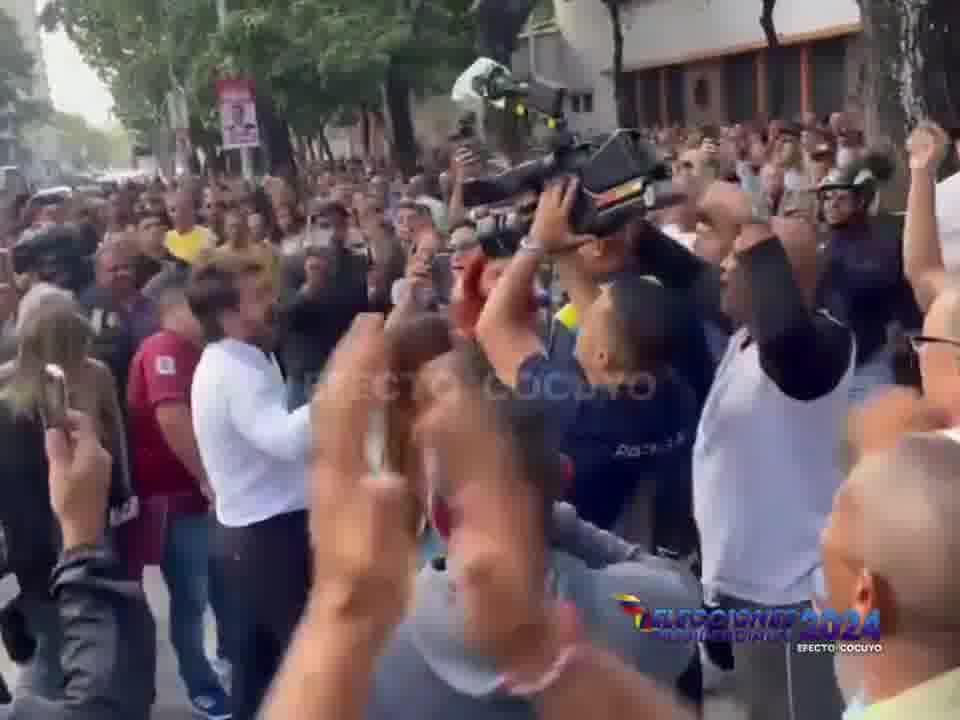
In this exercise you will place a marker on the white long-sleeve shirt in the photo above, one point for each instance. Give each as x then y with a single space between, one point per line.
253 450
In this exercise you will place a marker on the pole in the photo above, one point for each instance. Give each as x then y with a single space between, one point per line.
246 154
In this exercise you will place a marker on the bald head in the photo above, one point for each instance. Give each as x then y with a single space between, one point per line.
940 360
913 549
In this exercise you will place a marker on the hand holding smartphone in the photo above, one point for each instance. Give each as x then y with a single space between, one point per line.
55 402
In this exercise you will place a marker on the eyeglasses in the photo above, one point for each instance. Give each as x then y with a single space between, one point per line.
917 341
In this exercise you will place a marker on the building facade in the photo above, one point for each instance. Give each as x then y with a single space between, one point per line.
694 62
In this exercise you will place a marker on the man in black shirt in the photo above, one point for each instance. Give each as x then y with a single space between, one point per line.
153 256
319 314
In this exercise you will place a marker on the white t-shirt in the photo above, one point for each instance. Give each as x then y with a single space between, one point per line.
948 221
254 451
764 476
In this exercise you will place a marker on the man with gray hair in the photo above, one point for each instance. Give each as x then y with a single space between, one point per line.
900 567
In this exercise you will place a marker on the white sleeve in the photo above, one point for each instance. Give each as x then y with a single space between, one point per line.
260 416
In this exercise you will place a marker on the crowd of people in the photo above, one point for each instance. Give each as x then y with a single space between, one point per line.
411 468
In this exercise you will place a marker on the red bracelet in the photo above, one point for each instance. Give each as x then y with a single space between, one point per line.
553 673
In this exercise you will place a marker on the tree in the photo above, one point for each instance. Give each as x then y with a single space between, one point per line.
16 75
310 59
87 147
912 65
139 48
775 67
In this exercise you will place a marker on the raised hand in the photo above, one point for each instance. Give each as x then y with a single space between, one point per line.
79 480
498 540
551 223
361 523
927 146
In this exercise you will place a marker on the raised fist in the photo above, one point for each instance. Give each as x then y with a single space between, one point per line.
927 146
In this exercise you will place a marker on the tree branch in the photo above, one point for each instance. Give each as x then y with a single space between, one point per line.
766 22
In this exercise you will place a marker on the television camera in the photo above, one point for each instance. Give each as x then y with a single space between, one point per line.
621 175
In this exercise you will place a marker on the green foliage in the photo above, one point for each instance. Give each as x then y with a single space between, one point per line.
315 58
90 147
16 75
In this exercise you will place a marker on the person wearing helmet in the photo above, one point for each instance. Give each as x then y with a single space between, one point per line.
862 282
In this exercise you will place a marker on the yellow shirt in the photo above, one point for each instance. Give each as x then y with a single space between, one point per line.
186 246
936 699
567 316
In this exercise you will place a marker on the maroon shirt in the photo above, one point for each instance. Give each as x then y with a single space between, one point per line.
161 372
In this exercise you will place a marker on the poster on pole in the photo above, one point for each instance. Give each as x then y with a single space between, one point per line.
238 114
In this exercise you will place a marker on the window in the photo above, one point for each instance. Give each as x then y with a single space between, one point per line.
581 102
543 14
741 78
650 110
829 61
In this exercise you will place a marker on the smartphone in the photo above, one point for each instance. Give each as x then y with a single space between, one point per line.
376 443
54 404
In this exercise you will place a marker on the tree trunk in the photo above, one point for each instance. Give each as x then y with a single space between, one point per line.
278 150
623 92
396 102
325 144
365 130
912 65
776 72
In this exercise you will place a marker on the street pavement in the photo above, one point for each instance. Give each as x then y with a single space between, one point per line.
171 698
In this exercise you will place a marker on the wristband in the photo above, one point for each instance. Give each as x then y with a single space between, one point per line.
548 679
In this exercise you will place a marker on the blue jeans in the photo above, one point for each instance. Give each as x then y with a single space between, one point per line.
185 568
220 605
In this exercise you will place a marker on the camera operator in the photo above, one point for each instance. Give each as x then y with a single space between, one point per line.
608 258
109 644
626 419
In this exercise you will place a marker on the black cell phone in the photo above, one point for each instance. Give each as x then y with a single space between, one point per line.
55 402
442 276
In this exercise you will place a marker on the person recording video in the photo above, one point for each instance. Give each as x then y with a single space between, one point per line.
624 416
109 638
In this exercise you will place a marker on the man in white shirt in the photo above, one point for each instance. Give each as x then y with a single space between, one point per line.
255 453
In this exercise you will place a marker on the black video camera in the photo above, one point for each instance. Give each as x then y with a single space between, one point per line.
500 235
621 176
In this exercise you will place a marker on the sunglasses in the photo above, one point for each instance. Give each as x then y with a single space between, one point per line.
917 341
